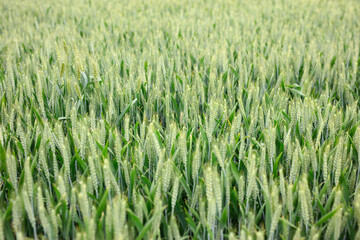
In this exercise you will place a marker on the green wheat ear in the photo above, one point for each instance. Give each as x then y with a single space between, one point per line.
202 120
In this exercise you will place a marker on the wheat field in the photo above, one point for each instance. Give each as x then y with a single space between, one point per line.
179 119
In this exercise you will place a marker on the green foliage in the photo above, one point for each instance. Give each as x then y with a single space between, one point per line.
179 119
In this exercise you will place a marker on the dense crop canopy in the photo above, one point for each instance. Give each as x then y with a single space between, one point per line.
179 119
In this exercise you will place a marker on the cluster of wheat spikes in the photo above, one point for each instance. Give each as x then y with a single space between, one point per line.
179 119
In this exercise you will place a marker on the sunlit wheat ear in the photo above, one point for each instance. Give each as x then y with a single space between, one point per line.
304 208
228 183
154 141
174 228
263 159
29 208
29 178
211 211
119 216
93 174
183 147
294 166
274 221
337 161
357 141
11 167
118 147
166 175
54 223
102 135
12 119
208 182
43 161
196 196
219 156
251 179
274 196
334 226
217 189
309 197
139 205
282 186
43 214
109 221
196 161
172 132
159 167
175 192
84 202
211 120
126 169
325 162
62 188
289 198
17 213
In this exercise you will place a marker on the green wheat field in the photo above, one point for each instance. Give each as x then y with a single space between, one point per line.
179 119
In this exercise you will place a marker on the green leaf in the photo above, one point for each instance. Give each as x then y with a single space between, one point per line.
234 171
286 117
135 220
102 205
259 214
8 231
322 210
191 224
327 216
37 116
276 163
80 162
193 211
345 189
2 157
145 229
7 215
132 178
329 201
297 92
294 86
125 111
146 181
224 218
287 222
185 186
